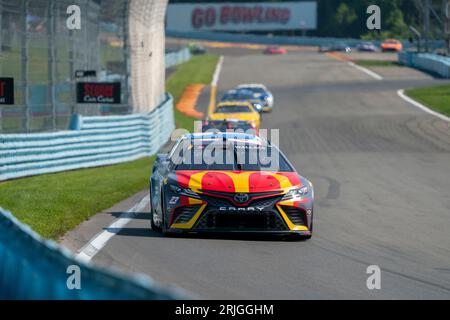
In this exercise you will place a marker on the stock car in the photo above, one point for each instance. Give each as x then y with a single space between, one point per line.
242 190
336 47
261 92
391 45
237 110
272 50
226 125
367 47
196 48
244 95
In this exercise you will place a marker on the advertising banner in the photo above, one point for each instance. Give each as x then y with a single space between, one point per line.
242 16
7 91
95 92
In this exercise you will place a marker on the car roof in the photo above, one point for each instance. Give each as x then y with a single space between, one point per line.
245 137
251 85
238 92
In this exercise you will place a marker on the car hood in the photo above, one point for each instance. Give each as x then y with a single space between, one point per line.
240 116
237 181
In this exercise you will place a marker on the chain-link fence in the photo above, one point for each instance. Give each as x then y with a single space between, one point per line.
39 51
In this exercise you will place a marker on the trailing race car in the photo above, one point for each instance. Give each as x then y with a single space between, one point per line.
242 190
336 47
196 49
244 95
275 50
237 110
367 47
226 125
391 45
261 92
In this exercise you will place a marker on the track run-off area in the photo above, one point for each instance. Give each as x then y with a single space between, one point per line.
381 171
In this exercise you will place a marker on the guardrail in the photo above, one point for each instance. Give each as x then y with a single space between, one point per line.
90 142
275 40
258 39
432 63
282 40
175 58
33 268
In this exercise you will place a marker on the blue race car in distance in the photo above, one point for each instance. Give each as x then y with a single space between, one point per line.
260 92
243 96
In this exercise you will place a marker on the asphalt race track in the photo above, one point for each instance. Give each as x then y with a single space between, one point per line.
381 170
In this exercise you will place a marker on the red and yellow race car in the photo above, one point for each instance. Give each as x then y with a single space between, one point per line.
229 182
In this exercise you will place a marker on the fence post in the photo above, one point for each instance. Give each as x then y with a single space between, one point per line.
1 52
51 26
126 54
24 65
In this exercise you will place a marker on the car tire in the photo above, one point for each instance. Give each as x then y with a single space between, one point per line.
153 226
163 222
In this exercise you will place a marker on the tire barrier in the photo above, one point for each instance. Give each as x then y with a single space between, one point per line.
432 63
33 268
90 142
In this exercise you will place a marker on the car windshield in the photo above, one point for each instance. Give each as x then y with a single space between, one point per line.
234 109
233 156
243 95
253 89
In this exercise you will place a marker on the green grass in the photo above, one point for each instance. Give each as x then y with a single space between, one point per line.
377 63
56 203
200 69
436 97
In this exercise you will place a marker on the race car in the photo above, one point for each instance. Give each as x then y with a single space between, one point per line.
275 50
242 190
367 47
196 48
261 92
243 95
227 125
237 110
336 47
391 45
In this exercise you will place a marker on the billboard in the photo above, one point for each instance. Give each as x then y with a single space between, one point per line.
96 92
242 16
7 91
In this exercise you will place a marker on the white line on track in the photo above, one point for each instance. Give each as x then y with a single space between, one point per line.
99 241
366 71
214 83
402 95
216 76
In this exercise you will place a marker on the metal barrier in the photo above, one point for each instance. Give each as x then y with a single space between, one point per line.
282 40
432 63
33 268
91 142
260 39
175 58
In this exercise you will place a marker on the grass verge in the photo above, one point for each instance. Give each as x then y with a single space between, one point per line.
56 203
377 63
436 97
200 69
